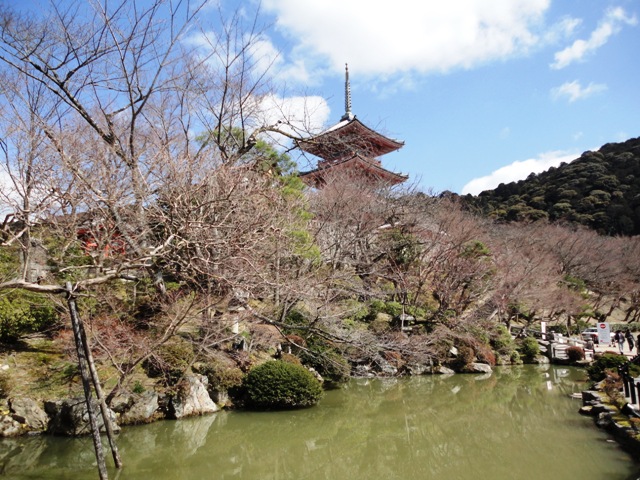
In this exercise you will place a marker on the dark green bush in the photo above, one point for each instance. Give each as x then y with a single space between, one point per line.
280 385
529 349
560 328
22 313
606 361
138 387
501 341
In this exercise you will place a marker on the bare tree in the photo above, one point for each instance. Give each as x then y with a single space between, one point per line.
106 98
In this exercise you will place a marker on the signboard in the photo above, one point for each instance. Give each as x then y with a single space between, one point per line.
604 333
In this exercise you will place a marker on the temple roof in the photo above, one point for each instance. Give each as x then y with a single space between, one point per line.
347 137
355 166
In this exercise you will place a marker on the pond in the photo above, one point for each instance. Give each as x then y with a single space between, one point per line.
519 423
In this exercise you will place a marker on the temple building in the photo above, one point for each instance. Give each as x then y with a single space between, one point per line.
350 149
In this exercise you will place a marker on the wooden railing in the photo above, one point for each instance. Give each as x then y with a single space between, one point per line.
630 386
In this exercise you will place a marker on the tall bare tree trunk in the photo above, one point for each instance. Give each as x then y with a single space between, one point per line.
100 396
84 374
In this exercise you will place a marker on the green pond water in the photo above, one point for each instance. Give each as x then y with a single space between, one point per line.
519 423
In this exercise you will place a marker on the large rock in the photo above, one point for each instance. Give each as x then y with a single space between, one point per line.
442 370
415 368
384 367
70 417
193 398
9 427
363 371
28 412
478 368
140 408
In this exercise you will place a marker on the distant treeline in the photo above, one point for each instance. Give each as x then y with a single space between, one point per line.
600 190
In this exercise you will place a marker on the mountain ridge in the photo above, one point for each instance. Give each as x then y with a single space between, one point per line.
600 189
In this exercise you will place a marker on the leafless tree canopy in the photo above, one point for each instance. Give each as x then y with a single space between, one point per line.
134 165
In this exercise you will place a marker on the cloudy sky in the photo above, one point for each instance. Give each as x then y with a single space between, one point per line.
480 91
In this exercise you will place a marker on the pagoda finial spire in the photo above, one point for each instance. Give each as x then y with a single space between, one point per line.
347 95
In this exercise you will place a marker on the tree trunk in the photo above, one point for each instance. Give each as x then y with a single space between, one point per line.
82 363
100 396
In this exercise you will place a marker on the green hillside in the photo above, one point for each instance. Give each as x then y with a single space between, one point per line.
600 190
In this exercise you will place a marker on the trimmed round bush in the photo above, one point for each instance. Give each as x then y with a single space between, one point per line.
529 349
281 385
575 354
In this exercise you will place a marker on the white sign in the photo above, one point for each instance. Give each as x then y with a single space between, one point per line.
604 333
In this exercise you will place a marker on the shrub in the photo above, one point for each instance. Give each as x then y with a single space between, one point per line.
485 355
22 313
529 349
380 324
170 361
560 328
501 340
612 387
378 306
280 385
290 358
138 387
225 381
332 366
575 354
514 357
607 361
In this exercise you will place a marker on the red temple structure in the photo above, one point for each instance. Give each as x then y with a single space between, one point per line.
349 149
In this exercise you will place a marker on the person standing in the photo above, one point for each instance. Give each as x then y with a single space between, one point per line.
620 340
589 346
629 340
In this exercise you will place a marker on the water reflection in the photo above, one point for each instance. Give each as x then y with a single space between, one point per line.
518 423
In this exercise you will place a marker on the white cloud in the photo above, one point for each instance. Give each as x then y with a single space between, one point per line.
518 170
611 24
565 28
379 37
300 116
574 91
267 58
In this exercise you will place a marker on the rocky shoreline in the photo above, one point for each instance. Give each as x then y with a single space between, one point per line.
621 422
69 417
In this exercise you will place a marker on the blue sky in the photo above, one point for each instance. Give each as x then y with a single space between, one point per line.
480 91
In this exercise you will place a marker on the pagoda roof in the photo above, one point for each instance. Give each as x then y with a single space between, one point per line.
356 166
347 137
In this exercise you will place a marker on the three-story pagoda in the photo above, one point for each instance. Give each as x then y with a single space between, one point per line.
350 149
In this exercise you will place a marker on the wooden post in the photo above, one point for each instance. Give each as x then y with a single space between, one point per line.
82 364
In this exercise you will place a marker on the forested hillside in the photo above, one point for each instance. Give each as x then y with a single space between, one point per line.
600 190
